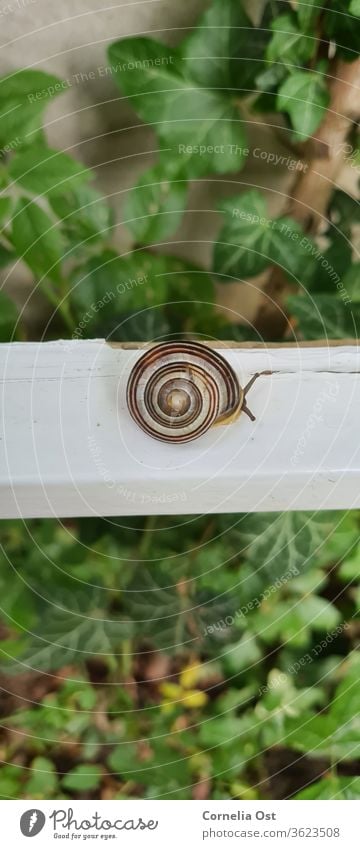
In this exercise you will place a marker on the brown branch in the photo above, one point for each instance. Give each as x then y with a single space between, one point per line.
311 193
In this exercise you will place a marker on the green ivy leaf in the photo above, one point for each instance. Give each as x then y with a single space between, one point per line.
34 86
282 698
6 256
23 97
161 612
250 240
164 772
342 25
336 733
83 778
8 316
332 787
223 49
155 205
278 544
324 316
73 634
10 778
5 206
267 82
84 214
344 211
43 780
317 613
307 12
199 127
354 8
350 568
191 296
242 249
325 269
37 242
42 171
109 287
321 736
289 45
123 759
147 323
351 282
242 655
345 707
304 96
229 731
18 124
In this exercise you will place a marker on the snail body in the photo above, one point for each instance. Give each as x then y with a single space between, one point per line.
178 390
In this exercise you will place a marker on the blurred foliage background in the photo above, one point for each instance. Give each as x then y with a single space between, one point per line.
202 657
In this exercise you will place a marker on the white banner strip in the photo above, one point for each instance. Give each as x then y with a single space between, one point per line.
140 824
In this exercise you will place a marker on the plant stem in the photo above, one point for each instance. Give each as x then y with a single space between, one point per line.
62 307
146 537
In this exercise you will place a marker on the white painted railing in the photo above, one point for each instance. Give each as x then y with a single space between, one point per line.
69 447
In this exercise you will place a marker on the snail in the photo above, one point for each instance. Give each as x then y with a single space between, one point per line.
178 390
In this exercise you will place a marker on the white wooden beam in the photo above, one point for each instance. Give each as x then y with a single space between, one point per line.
68 446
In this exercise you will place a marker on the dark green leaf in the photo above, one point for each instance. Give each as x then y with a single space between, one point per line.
8 316
147 324
345 707
110 286
190 294
332 787
343 27
224 50
5 206
325 270
10 778
200 127
228 731
6 256
351 282
344 211
155 205
336 733
43 780
73 634
83 778
250 240
267 82
242 247
284 543
84 214
37 242
350 568
18 124
289 45
23 97
33 86
124 759
162 613
307 12
242 655
304 96
324 316
165 771
42 170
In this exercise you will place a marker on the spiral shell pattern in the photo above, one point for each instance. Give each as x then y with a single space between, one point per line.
178 390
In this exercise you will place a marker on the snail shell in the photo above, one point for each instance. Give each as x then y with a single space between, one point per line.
178 390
